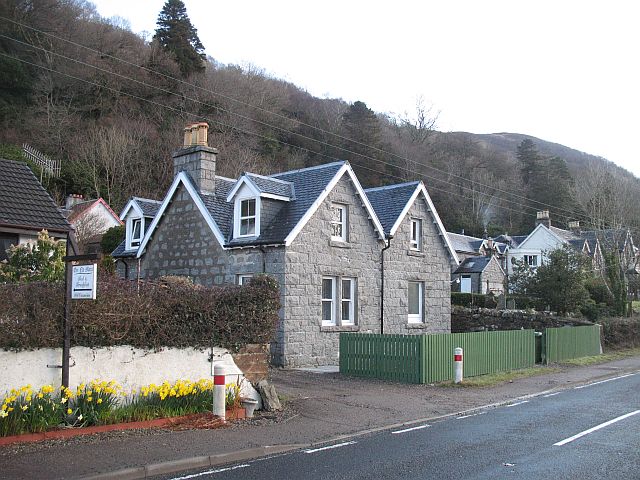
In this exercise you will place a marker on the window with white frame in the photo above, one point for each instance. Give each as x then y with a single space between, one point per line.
246 224
348 301
136 232
244 279
339 222
416 302
328 301
531 260
416 234
338 301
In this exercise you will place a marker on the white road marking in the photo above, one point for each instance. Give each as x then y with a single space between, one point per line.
516 404
597 427
411 429
337 445
209 472
603 381
551 394
472 415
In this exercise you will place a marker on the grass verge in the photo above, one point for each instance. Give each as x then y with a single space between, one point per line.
605 357
501 377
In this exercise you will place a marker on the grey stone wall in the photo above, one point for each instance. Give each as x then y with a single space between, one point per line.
130 271
313 255
183 244
430 266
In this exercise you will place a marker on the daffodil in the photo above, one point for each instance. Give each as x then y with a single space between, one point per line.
3 414
99 401
69 411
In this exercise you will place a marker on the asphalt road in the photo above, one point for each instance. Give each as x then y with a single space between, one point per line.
587 432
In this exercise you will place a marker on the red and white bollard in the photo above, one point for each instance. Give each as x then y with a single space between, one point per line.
457 360
219 393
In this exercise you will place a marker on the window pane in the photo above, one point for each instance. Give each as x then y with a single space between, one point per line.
136 229
414 298
337 214
336 229
326 310
346 289
346 311
248 226
251 207
327 289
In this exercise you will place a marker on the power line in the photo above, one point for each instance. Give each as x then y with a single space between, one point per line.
182 112
405 159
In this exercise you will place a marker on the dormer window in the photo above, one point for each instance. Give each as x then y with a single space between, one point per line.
339 222
247 218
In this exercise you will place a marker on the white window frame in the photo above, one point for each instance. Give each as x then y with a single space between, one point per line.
342 222
337 301
350 302
244 278
238 217
416 317
134 242
465 280
416 234
330 322
530 260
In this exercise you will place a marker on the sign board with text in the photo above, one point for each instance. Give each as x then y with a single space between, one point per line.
83 282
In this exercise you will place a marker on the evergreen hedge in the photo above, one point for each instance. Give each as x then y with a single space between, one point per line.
171 312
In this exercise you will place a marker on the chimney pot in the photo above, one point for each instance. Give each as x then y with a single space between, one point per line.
197 158
544 218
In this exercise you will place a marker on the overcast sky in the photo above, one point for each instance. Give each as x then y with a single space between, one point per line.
564 71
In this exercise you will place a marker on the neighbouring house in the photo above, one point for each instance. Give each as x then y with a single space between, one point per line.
482 275
90 220
137 216
26 208
318 233
476 273
544 238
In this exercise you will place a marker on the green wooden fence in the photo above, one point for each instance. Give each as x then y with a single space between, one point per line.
429 358
570 342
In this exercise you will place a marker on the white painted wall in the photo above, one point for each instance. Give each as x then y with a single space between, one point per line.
130 367
540 243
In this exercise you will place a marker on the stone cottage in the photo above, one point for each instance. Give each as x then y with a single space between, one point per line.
317 232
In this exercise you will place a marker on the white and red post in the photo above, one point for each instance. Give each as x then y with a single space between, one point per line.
458 362
219 387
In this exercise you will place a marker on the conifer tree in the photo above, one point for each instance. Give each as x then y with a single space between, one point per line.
178 36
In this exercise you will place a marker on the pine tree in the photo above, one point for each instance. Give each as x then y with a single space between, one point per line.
178 36
363 127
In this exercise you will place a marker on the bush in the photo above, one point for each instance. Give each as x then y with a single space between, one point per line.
598 291
473 300
150 315
525 302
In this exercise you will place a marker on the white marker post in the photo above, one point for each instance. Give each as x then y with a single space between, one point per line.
219 379
457 359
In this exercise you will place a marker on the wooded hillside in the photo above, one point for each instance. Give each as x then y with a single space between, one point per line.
112 106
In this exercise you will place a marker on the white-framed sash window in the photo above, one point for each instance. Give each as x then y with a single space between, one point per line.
339 296
416 234
416 302
339 222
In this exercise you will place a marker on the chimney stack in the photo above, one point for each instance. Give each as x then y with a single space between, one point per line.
197 158
543 217
575 227
73 199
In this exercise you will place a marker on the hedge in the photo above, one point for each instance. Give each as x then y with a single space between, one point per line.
150 315
473 299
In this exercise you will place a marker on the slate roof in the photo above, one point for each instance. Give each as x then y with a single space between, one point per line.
473 265
272 186
121 251
464 243
389 202
149 207
24 203
512 241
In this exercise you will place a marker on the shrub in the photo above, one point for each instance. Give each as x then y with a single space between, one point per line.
150 315
473 300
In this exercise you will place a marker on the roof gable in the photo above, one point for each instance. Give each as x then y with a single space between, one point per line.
81 209
321 191
182 179
144 207
540 230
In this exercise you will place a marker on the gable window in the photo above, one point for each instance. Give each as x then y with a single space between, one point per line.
339 222
416 234
531 260
416 302
136 232
338 301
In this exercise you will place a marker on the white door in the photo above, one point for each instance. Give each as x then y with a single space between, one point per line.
465 284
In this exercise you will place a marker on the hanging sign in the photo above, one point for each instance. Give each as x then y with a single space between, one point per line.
83 282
